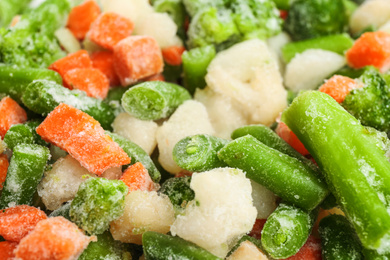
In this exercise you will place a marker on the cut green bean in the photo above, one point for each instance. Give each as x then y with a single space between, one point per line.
25 171
153 100
23 134
198 153
374 255
286 231
163 247
287 177
338 239
355 167
174 8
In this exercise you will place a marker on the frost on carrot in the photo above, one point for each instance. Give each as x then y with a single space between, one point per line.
287 135
136 177
18 221
3 169
90 80
109 29
338 87
7 250
81 17
104 61
372 48
137 57
172 55
79 59
82 137
11 114
55 239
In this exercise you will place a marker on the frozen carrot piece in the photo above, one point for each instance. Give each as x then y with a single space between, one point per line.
157 77
136 177
372 48
3 169
7 250
11 114
172 55
311 250
18 221
137 57
79 59
53 239
15 20
257 228
287 135
83 138
109 29
338 87
90 80
81 17
104 61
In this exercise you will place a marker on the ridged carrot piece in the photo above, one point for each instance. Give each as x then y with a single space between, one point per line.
137 57
172 55
311 250
18 221
81 17
338 87
83 138
372 48
90 80
3 169
287 135
7 250
136 177
104 61
10 114
109 29
53 239
79 59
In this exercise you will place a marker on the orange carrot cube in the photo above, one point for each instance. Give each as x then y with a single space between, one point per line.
3 169
79 59
137 57
172 55
109 29
53 239
83 138
81 17
157 77
7 250
136 177
311 250
92 81
11 114
338 87
287 135
372 48
104 61
18 221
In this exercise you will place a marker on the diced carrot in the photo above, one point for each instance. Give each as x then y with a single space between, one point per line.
7 250
338 87
311 250
90 80
136 177
15 20
81 17
257 228
157 77
109 29
137 57
283 14
79 59
372 48
3 169
11 114
16 222
104 61
287 135
53 239
83 138
172 55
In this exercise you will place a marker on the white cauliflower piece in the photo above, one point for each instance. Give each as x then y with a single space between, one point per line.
248 73
263 199
190 118
385 27
144 211
138 131
308 69
275 44
247 251
67 40
135 10
221 212
218 107
370 13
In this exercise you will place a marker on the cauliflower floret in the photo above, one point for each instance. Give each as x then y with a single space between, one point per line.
190 118
144 211
221 212
275 44
370 13
263 199
248 73
141 132
135 10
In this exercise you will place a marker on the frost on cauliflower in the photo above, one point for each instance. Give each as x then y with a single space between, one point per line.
221 212
190 118
371 13
248 73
